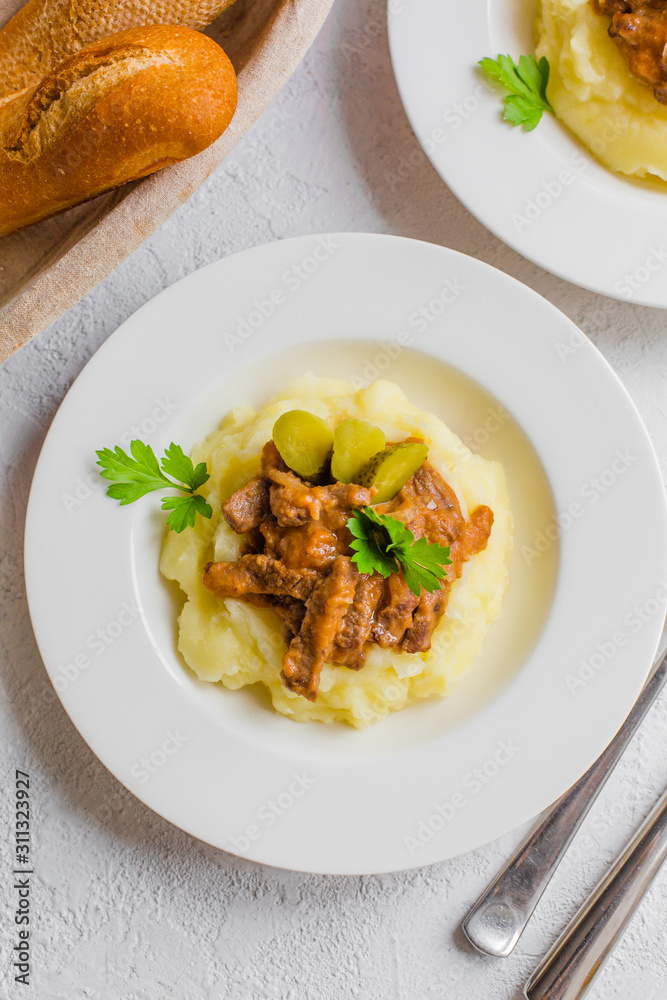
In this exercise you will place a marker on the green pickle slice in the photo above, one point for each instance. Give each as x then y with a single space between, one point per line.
390 469
355 443
304 442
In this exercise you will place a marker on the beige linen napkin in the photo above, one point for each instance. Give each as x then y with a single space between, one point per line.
46 268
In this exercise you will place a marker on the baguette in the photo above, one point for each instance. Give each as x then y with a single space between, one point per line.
119 109
44 33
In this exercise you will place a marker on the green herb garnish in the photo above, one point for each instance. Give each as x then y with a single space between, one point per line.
136 475
383 544
526 82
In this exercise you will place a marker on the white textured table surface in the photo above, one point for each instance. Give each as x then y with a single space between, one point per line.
124 906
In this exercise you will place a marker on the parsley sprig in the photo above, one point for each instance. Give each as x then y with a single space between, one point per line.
526 82
140 473
383 544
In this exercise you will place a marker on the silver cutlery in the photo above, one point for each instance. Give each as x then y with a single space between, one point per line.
498 918
570 967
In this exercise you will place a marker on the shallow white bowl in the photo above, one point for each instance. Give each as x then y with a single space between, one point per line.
541 192
559 671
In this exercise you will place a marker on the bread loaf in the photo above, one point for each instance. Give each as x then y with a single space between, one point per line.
119 109
43 33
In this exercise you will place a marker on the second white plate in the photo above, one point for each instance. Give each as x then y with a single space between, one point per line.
541 192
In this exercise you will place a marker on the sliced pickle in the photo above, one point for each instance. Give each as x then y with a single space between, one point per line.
304 442
355 443
390 469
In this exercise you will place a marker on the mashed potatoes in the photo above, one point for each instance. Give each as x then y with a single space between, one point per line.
232 642
594 93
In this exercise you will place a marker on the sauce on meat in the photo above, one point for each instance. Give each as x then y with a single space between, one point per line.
639 28
297 560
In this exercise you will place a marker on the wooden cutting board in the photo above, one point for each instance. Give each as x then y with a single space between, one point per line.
46 268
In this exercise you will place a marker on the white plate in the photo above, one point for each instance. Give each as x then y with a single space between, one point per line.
560 669
541 192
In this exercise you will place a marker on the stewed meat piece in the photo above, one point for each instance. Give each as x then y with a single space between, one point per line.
297 560
429 507
436 502
294 502
306 546
640 31
356 627
258 574
472 537
325 611
355 630
396 611
249 506
612 7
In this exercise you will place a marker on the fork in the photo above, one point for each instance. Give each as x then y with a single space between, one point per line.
498 918
569 968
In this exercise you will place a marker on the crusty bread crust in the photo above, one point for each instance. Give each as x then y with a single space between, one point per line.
43 33
119 109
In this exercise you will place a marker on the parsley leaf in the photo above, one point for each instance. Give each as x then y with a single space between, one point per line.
425 565
184 511
135 475
176 464
526 82
383 544
370 544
